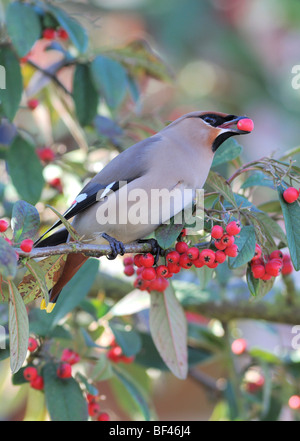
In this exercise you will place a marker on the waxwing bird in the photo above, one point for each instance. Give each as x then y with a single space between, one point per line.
117 204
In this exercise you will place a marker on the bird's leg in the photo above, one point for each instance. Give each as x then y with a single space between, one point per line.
116 246
156 249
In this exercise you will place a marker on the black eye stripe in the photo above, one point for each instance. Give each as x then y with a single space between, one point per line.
216 120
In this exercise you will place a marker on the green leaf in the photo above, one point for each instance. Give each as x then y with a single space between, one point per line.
128 340
291 215
64 398
110 79
166 234
134 390
168 328
228 151
219 184
18 328
25 221
246 242
132 303
23 26
39 275
76 32
51 267
85 95
102 369
258 288
25 170
258 178
8 260
11 94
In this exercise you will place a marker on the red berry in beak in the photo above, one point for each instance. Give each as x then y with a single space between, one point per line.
245 124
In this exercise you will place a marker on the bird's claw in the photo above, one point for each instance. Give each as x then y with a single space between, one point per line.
117 247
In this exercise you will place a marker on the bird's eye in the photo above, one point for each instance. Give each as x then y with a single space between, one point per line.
210 120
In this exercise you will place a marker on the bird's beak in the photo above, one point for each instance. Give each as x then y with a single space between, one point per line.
239 125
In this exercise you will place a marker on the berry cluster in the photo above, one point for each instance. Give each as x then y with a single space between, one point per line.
52 34
115 354
26 244
290 195
152 278
94 409
268 266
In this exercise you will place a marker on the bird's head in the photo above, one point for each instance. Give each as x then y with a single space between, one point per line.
213 128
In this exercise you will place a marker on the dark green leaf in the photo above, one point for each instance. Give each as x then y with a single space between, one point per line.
8 260
25 221
166 234
291 215
25 170
110 79
76 32
128 340
64 398
11 83
246 242
257 287
23 26
228 151
168 328
85 95
18 328
219 184
258 178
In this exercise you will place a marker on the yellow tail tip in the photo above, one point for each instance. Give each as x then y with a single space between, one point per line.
49 308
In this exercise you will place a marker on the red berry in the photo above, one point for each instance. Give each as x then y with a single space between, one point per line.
148 274
287 268
26 245
30 373
257 384
128 261
185 262
103 417
217 232
245 124
49 33
212 264
136 260
57 184
198 263
70 356
162 271
3 225
93 409
277 254
129 270
258 271
233 228
126 359
183 232
257 253
64 370
173 257
114 354
220 256
37 383
231 251
174 268
227 240
181 247
294 402
207 256
32 104
62 34
32 344
239 346
141 284
160 284
147 260
266 277
193 253
219 245
273 267
290 195
45 154
90 398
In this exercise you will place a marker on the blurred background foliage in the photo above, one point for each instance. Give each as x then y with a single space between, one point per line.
233 56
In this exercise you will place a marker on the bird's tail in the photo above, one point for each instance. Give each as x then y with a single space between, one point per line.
73 263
